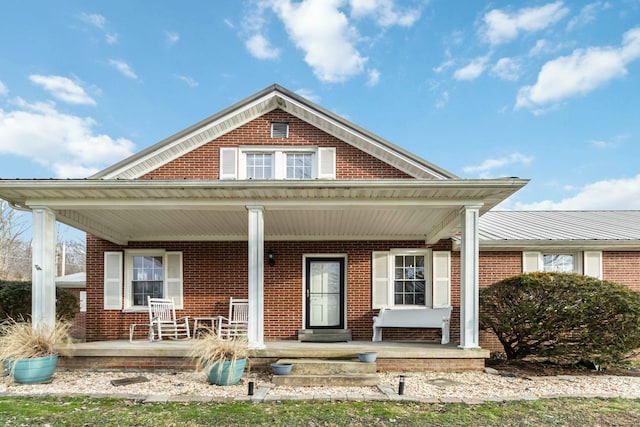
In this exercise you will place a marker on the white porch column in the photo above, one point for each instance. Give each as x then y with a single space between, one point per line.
255 329
43 256
469 288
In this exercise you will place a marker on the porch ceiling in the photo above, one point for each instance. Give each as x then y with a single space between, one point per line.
146 210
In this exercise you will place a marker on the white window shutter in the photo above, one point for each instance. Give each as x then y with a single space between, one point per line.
113 280
173 277
327 163
228 163
593 264
441 279
531 262
380 283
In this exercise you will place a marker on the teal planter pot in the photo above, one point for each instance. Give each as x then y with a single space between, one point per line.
32 371
226 373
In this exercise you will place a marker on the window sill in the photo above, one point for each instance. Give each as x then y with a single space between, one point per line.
136 309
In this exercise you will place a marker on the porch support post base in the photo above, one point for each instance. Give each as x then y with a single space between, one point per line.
43 255
255 328
469 287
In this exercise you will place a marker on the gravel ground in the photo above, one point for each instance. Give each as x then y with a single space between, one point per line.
428 385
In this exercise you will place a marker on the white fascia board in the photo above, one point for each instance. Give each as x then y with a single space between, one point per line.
542 245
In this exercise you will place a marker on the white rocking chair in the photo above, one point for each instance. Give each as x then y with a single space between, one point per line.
236 324
162 320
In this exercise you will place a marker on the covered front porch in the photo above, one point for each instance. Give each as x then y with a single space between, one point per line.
169 354
138 214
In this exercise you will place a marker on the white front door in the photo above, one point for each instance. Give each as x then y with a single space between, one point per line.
325 293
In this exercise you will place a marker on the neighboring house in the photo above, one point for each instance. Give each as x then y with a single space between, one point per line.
318 222
76 284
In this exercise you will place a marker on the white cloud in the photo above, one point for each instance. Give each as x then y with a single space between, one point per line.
4 90
309 94
374 77
442 101
65 143
444 66
188 80
323 32
63 89
473 70
602 144
260 48
610 194
111 38
124 68
580 73
502 27
486 168
228 23
171 37
507 69
587 14
384 12
93 19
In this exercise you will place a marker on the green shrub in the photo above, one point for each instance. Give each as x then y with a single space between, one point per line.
563 317
15 301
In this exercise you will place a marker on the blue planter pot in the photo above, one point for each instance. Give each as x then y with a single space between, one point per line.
32 371
368 356
226 373
281 368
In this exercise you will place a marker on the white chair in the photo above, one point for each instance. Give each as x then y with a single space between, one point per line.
162 320
236 324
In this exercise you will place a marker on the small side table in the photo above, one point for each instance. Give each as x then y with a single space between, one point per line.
204 323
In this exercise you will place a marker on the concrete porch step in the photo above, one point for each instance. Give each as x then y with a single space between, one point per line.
324 335
344 380
327 372
329 367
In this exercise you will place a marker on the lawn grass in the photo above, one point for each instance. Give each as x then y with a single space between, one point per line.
78 411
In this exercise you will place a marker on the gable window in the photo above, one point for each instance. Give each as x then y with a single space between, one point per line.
410 278
299 165
259 165
409 284
279 130
277 162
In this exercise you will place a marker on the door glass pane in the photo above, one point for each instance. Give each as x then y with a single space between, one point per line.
324 293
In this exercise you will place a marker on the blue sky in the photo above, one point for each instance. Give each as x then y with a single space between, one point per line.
546 90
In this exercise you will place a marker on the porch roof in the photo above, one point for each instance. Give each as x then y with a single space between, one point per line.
169 210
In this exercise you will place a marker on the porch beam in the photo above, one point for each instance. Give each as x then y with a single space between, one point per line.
255 328
469 286
43 255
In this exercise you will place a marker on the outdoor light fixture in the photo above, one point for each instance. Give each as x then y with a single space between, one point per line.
272 258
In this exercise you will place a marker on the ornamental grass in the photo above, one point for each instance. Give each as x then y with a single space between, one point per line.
20 340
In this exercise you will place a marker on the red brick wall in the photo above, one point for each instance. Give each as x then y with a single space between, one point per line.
214 271
203 162
622 267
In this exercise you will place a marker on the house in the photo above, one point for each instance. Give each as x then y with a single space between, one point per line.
318 222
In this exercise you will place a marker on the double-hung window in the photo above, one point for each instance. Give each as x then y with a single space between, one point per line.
559 263
588 263
133 276
409 283
259 165
409 278
299 165
277 162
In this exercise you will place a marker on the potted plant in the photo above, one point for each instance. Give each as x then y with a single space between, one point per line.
29 354
223 360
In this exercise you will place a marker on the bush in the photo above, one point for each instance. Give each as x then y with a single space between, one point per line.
563 317
15 301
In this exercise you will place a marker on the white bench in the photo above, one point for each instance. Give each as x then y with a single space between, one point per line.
412 318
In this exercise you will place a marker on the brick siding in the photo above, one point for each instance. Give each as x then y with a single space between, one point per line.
203 162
